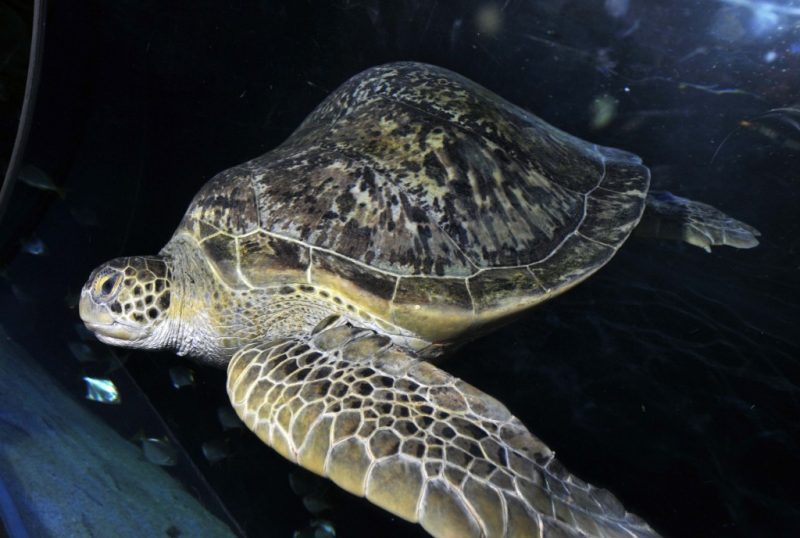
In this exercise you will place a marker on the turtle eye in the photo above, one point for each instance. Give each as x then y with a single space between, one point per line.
106 285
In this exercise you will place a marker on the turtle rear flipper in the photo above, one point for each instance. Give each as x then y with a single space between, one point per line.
348 404
667 216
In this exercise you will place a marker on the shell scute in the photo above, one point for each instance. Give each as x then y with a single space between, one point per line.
500 288
434 308
370 288
570 262
269 261
220 251
227 202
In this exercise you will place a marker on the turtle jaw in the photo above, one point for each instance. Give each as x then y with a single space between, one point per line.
103 324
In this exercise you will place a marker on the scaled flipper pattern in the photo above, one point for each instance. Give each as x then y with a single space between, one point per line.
348 404
668 216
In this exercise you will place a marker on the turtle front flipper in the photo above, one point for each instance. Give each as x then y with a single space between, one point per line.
348 404
667 216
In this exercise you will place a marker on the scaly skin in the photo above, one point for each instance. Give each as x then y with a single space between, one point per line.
350 405
413 210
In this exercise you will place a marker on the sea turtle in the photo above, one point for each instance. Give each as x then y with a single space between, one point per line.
411 211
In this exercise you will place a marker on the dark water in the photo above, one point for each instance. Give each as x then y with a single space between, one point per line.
671 377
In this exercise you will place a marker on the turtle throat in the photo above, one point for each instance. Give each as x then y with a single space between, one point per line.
188 328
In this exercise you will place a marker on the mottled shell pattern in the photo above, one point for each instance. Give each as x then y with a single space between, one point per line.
423 199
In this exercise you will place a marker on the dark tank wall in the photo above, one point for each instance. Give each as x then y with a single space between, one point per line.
670 377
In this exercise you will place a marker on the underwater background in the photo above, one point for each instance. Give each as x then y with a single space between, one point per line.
670 377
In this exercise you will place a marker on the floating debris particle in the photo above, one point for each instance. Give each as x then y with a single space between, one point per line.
181 376
34 246
101 390
159 451
603 111
216 450
489 19
81 351
35 177
228 419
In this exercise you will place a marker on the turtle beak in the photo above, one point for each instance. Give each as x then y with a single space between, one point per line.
91 313
102 323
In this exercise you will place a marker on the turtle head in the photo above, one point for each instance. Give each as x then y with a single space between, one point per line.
126 301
